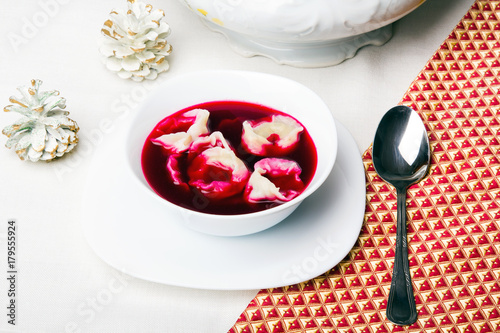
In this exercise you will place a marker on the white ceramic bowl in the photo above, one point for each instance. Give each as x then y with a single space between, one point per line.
302 33
275 92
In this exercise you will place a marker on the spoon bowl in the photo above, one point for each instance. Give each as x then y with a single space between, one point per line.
401 157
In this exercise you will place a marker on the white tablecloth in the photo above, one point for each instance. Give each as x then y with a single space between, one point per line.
62 286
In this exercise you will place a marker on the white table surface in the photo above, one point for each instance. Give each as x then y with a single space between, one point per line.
62 286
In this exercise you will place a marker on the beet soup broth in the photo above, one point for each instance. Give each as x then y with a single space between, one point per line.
226 117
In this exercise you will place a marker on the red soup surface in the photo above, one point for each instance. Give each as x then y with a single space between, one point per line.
226 117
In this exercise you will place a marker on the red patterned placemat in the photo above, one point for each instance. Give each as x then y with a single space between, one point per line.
453 232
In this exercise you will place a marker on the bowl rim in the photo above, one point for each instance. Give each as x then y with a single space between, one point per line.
316 181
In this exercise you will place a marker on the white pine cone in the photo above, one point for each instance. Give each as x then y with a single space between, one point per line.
44 132
135 42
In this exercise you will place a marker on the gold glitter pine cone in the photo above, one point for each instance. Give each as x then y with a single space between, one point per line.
134 43
44 132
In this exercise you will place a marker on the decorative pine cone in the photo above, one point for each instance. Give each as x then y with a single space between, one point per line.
135 42
44 132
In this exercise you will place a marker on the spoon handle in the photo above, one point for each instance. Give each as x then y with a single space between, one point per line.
401 308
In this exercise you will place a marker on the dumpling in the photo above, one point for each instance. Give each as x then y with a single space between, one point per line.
276 135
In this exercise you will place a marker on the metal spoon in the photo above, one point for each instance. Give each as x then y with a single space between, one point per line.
401 156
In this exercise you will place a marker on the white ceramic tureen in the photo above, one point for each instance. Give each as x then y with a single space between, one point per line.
303 33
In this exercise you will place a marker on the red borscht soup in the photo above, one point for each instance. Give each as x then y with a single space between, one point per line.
229 157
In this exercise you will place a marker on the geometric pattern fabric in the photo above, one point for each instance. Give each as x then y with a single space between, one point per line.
453 214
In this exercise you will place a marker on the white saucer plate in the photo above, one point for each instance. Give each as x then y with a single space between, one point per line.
132 233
